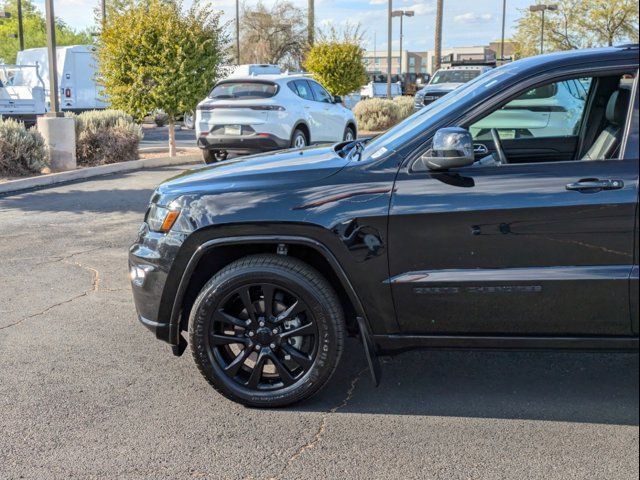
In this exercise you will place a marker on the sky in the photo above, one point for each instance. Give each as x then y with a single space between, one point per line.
466 22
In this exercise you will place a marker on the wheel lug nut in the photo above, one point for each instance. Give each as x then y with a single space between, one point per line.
262 324
248 322
274 331
258 347
273 345
251 334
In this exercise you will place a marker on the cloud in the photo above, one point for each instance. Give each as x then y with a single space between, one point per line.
422 8
472 17
377 2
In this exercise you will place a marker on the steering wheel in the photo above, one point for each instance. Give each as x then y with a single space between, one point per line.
502 158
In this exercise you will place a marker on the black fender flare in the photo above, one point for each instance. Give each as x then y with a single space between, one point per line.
178 341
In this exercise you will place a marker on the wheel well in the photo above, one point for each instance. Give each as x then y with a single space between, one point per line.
215 259
303 127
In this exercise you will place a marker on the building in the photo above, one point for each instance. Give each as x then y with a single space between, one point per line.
422 62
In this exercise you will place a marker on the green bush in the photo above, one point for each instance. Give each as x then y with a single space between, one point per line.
22 150
376 114
106 136
405 106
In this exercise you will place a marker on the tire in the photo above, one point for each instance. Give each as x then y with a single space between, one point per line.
213 156
349 134
299 139
189 120
302 301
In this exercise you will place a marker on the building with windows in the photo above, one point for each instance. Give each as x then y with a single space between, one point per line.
422 62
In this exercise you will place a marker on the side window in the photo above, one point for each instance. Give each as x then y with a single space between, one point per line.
552 110
320 93
302 89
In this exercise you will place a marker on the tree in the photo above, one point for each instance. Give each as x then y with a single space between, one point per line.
578 24
34 31
337 65
276 35
153 56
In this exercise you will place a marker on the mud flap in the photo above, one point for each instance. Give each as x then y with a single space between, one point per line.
178 350
369 351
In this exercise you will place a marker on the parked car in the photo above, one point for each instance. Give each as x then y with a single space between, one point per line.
379 90
77 71
557 108
446 80
269 112
423 237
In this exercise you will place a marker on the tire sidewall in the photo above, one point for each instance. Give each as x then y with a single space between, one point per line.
296 133
327 348
349 129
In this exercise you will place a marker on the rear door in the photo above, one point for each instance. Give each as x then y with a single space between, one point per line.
512 249
332 129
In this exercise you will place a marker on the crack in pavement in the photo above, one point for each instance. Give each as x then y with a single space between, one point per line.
322 427
95 286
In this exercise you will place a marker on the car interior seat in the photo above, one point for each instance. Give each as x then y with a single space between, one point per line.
607 143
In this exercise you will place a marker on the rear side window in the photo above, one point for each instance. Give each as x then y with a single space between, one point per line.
320 93
243 90
301 88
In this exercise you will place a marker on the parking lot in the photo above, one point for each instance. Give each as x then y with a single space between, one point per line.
87 392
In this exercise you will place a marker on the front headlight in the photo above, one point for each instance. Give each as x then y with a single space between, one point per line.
161 219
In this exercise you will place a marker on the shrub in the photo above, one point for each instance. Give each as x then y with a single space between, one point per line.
376 114
106 136
22 150
405 106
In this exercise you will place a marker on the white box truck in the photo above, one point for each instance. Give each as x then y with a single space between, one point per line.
78 89
19 101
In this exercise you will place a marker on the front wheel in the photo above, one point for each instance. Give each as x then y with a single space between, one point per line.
267 331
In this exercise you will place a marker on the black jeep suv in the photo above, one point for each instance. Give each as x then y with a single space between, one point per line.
504 215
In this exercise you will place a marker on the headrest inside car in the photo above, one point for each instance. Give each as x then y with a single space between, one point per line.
617 106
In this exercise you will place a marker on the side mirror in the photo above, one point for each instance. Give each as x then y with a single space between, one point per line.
452 147
337 99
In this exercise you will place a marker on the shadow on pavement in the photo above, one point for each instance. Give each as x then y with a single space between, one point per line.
554 386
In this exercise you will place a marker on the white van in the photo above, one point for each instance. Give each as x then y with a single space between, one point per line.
78 89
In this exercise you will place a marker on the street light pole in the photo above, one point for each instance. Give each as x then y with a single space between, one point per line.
311 22
401 14
541 7
20 29
389 10
504 10
53 68
438 41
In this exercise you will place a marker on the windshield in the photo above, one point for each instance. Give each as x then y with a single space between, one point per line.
482 86
454 76
244 90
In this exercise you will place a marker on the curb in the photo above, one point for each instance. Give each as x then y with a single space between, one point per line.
13 186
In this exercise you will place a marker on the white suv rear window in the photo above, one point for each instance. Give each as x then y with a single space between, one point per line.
243 90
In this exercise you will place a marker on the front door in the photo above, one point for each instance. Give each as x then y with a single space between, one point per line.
536 247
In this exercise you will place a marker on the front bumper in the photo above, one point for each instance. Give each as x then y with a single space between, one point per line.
257 142
150 260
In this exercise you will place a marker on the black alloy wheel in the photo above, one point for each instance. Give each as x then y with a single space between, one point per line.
256 331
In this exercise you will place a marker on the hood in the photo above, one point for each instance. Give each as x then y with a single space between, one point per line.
441 87
257 172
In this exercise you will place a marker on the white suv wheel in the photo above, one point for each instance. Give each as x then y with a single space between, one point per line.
299 139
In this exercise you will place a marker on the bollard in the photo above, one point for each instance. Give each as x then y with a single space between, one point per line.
60 138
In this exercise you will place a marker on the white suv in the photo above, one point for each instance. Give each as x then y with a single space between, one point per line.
269 112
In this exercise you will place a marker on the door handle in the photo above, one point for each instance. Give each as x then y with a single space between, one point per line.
592 185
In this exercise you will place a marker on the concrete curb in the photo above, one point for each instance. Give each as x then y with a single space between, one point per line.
13 186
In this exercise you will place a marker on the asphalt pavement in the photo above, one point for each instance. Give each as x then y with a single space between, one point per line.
87 392
158 137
